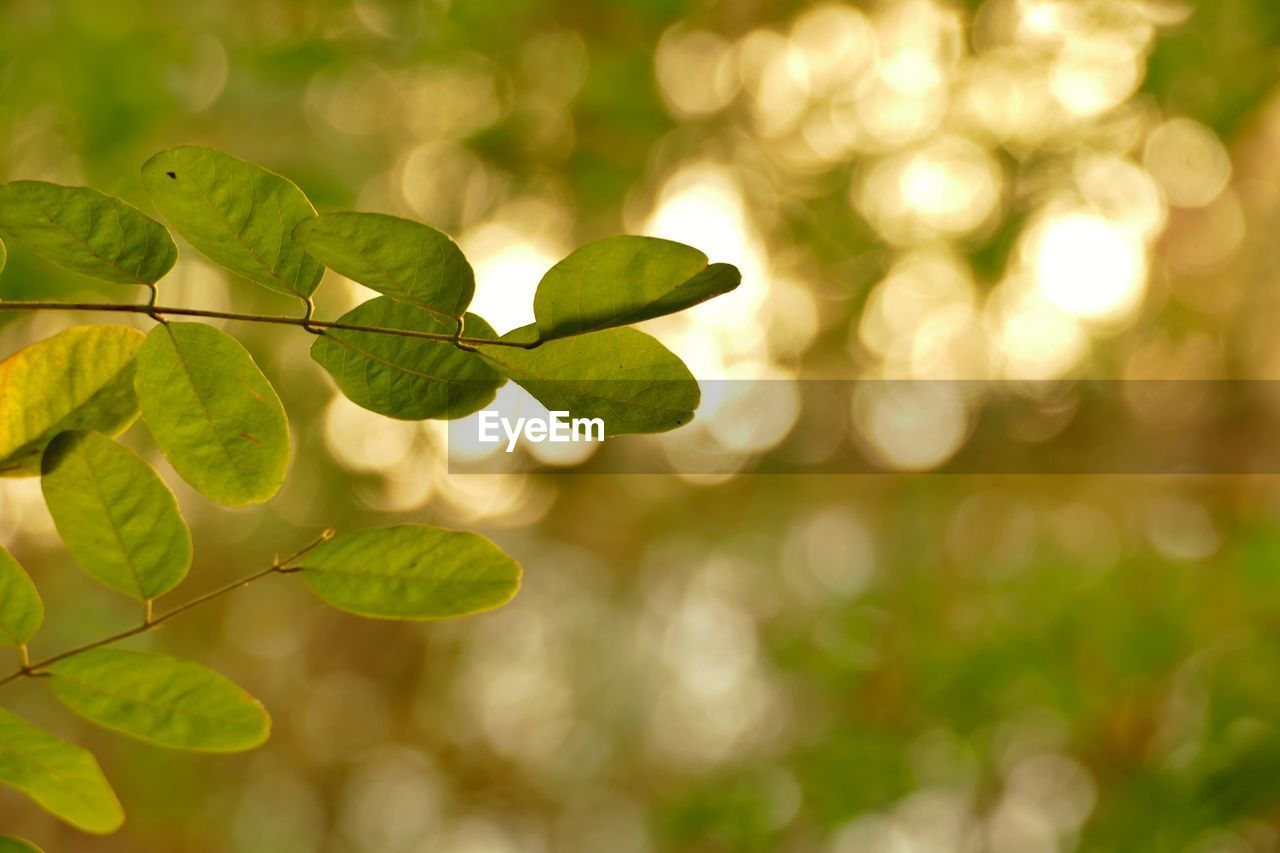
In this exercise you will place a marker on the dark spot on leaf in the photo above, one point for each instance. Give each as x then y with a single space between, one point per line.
172 175
247 437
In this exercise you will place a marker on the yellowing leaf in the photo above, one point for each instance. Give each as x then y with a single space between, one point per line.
81 378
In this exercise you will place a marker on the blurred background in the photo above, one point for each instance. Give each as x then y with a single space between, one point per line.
920 189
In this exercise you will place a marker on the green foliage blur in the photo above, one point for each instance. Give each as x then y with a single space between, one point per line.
917 188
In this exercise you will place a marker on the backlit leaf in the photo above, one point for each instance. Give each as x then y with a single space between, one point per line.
405 260
118 518
21 610
212 412
403 377
411 572
623 376
236 214
81 378
82 230
62 778
160 699
9 844
624 280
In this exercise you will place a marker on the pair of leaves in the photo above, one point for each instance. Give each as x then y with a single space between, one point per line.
236 213
208 405
152 697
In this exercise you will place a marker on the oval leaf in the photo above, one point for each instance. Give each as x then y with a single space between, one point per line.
81 378
625 377
411 572
402 377
406 260
161 700
624 280
118 518
84 231
236 214
212 412
9 844
21 610
62 778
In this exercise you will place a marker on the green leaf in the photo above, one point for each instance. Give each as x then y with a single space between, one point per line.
161 700
404 377
82 230
9 844
622 376
81 378
405 260
61 777
624 280
4 255
411 572
215 416
118 518
236 214
21 610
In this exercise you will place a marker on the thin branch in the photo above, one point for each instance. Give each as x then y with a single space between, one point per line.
158 312
277 567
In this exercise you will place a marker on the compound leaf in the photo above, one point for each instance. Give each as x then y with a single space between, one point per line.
406 260
213 413
118 518
61 777
9 844
624 280
84 231
411 572
160 699
236 214
623 376
81 378
21 610
405 377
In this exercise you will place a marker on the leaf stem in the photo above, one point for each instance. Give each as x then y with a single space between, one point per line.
277 567
158 312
